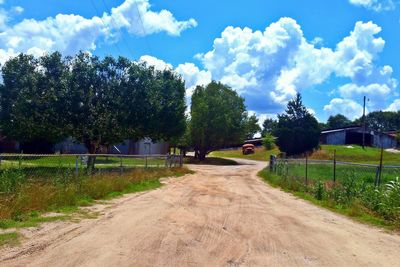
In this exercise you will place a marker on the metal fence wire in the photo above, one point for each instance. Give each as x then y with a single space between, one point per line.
74 164
309 170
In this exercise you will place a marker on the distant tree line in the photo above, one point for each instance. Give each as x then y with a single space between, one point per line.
379 121
98 102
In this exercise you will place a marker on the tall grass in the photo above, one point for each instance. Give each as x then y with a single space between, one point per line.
20 197
352 196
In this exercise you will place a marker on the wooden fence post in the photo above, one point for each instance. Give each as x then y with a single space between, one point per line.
306 170
334 166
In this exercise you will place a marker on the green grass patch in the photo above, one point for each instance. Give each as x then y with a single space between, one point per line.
352 207
9 239
260 154
356 154
22 206
210 161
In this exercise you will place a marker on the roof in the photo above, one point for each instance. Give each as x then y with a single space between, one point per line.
350 128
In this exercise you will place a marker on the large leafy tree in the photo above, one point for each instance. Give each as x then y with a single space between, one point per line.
338 121
297 130
381 121
251 126
169 120
218 118
33 100
96 108
269 126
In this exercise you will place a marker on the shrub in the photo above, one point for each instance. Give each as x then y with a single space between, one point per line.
11 179
319 190
269 141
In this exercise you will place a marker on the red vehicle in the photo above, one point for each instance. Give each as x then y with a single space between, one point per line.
248 149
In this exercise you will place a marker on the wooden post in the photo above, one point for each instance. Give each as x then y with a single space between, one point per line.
77 166
306 170
380 167
334 166
146 161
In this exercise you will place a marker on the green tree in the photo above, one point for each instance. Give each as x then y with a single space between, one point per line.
269 126
338 121
297 130
251 126
33 100
218 118
381 121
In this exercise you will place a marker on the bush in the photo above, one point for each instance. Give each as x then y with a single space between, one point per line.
269 141
11 179
319 190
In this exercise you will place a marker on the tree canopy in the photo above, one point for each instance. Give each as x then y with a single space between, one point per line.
98 102
338 121
218 118
297 130
251 126
269 126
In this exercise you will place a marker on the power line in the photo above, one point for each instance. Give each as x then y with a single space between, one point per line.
115 26
98 12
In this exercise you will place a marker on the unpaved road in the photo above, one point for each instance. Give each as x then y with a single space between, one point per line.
220 216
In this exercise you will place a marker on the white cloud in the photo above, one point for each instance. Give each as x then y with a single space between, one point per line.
193 76
132 13
71 33
395 106
375 5
348 108
158 64
268 68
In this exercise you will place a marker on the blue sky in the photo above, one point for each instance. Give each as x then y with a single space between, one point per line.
333 52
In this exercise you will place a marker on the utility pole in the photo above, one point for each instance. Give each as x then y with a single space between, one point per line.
364 124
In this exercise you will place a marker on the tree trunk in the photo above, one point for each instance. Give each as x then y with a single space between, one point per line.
92 148
202 155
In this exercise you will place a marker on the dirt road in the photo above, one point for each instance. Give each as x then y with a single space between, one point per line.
220 216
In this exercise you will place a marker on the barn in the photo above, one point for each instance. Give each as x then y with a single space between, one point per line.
353 135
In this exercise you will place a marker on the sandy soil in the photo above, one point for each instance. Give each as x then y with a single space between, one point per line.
220 216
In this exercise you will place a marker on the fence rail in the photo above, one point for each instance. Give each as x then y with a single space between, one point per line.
313 170
51 164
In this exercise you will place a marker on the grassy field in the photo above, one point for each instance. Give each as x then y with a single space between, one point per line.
364 203
343 153
324 172
260 154
57 161
22 204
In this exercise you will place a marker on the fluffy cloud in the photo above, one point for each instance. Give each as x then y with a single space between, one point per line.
375 5
71 33
158 64
270 67
193 76
395 106
346 107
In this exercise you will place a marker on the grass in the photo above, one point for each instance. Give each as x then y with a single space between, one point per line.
68 161
354 210
10 239
356 154
210 161
324 172
23 207
260 154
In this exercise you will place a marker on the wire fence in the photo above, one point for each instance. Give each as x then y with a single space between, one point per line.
311 170
43 166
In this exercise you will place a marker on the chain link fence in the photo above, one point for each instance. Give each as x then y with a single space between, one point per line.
43 166
310 170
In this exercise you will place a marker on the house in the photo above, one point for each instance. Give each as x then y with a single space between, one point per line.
353 135
129 147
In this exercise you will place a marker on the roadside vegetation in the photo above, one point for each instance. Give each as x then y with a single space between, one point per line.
210 161
23 199
352 153
352 196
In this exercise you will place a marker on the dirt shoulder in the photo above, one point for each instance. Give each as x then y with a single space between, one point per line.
221 215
